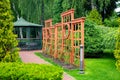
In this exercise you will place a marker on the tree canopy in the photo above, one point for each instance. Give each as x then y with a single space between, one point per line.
39 10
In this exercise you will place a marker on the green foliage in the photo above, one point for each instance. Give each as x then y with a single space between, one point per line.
57 10
112 22
95 17
15 9
8 42
108 53
117 50
104 7
31 9
104 41
108 37
66 5
20 71
92 40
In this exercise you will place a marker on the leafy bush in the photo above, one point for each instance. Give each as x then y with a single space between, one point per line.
92 40
108 39
108 53
95 17
117 50
8 42
112 22
20 71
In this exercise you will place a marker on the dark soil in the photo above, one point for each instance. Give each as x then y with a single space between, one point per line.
61 63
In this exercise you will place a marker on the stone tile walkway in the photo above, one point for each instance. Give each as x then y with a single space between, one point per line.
30 57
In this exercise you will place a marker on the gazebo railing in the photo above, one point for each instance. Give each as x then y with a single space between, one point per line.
30 43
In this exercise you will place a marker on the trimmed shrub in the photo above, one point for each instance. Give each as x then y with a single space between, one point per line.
8 42
108 35
95 17
117 50
20 71
92 40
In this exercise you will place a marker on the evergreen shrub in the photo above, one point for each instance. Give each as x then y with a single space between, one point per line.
117 50
8 42
92 40
20 71
95 17
108 35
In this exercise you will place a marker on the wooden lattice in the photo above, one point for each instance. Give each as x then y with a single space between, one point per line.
63 40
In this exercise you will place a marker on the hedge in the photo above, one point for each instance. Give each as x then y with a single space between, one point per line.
108 35
92 40
21 71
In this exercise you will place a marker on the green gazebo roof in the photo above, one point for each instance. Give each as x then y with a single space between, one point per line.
23 22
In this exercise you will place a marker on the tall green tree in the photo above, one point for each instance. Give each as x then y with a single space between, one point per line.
38 10
57 10
95 17
104 7
66 4
15 9
42 12
8 42
48 10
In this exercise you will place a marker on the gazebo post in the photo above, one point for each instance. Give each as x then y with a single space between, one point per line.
28 32
21 35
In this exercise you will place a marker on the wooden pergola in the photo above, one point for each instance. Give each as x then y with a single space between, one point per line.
29 34
63 39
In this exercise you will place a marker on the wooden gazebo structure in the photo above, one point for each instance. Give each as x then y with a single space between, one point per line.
29 34
63 40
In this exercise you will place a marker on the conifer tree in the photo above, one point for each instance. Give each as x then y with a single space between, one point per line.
95 17
8 42
57 10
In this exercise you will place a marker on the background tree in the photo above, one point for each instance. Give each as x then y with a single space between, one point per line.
42 12
15 9
95 17
104 7
57 10
33 10
8 42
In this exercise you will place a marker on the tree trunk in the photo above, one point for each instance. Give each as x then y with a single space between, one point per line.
92 5
104 11
21 35
13 5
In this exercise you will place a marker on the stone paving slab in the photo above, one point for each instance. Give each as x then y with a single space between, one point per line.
30 57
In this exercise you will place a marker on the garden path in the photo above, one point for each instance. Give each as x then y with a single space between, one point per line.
30 57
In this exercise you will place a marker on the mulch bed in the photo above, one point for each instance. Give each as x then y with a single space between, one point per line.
61 63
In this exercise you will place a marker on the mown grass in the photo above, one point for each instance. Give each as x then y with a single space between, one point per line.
95 69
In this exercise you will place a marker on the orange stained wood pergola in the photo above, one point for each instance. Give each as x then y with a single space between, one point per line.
63 40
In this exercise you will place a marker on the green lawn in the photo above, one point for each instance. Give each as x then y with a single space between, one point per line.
95 69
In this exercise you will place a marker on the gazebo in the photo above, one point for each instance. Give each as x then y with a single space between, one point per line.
29 34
